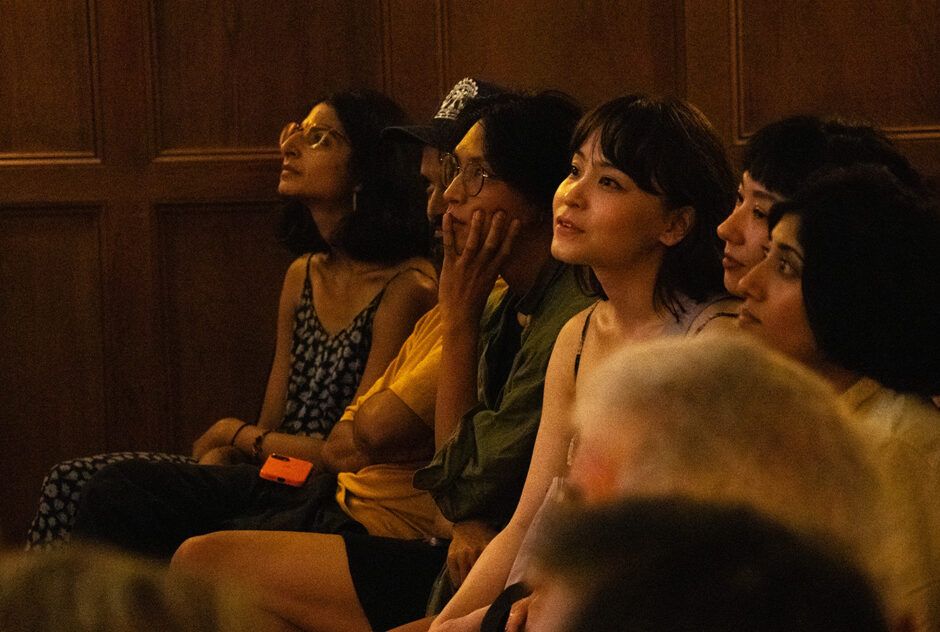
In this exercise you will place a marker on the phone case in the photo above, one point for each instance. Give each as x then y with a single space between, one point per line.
285 469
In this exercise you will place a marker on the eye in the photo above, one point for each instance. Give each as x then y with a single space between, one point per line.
609 183
784 267
759 214
574 171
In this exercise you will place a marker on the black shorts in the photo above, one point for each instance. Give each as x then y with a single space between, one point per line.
393 577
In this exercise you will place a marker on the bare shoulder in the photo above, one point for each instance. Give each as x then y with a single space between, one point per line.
415 280
296 273
718 317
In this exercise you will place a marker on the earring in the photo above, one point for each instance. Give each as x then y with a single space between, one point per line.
355 200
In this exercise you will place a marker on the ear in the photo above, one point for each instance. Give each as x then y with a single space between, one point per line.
678 225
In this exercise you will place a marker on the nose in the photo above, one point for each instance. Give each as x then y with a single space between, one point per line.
454 193
570 192
729 230
751 284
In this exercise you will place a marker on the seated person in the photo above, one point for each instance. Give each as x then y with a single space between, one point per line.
728 421
662 564
778 159
648 184
849 288
91 589
496 345
346 306
374 448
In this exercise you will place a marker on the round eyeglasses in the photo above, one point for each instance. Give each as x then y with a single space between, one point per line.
312 136
473 176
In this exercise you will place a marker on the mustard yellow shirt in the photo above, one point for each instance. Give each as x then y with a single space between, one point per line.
382 497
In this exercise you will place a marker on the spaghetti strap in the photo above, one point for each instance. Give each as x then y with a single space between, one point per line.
577 358
402 271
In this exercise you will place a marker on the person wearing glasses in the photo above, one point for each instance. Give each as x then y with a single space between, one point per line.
647 184
354 213
503 299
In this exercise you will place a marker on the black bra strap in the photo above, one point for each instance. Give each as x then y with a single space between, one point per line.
577 358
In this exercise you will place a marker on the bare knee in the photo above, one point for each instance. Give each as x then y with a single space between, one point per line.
200 555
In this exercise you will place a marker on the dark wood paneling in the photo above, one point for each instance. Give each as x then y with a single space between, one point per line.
48 70
593 50
52 398
221 277
228 73
416 76
862 58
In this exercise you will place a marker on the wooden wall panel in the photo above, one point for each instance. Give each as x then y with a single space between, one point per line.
415 76
221 272
593 50
752 63
871 59
52 399
48 66
228 73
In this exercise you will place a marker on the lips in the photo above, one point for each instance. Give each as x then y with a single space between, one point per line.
565 226
729 263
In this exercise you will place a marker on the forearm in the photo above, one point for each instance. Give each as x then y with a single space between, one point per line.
486 579
259 444
457 386
340 453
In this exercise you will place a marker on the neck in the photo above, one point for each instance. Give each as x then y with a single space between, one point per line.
327 214
840 378
630 290
529 255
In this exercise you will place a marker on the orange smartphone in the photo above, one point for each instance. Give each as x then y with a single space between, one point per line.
285 469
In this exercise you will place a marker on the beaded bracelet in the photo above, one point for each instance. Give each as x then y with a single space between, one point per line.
240 428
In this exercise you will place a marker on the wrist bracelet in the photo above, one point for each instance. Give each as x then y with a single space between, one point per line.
256 450
240 428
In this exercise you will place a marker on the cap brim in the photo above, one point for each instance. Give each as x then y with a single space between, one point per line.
425 134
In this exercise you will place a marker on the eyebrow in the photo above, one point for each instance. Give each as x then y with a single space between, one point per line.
603 163
789 248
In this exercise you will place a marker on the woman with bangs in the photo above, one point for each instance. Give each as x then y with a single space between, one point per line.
648 185
778 159
354 213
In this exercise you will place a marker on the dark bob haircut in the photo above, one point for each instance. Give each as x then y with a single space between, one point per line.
672 563
781 156
388 223
526 141
669 149
871 274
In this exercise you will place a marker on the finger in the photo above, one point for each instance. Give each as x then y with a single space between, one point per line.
518 614
447 233
465 564
496 233
515 227
475 235
453 570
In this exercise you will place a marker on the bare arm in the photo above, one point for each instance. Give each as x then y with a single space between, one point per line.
488 576
408 297
383 430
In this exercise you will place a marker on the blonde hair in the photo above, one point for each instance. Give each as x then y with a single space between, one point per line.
727 421
91 589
